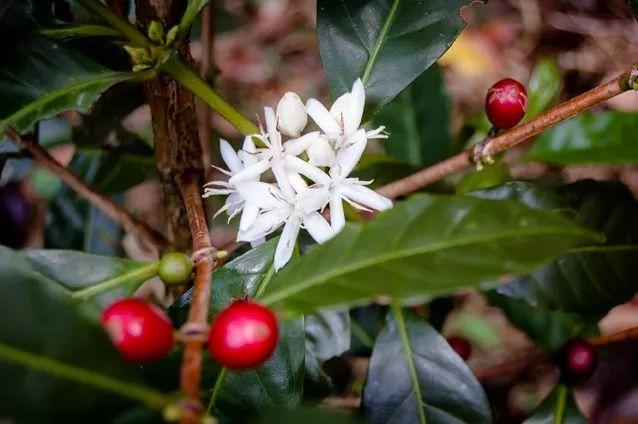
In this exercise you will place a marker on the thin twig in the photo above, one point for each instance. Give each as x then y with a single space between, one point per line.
190 378
510 138
537 356
129 222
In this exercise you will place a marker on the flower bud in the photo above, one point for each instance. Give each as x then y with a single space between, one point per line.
320 152
291 115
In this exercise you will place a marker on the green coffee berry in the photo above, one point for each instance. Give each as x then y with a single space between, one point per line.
175 268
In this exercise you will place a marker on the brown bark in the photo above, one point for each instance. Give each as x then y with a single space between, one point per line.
176 140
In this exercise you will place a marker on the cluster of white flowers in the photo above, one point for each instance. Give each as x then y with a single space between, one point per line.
301 188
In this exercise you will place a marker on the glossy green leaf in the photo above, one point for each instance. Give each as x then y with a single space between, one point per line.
84 275
415 377
279 381
558 407
425 247
43 333
43 78
548 329
418 121
386 43
594 279
591 138
543 88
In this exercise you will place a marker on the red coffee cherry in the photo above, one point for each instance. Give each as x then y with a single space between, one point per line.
461 346
506 103
243 335
577 360
142 332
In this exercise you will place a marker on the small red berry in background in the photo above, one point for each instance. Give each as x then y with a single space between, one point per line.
506 103
577 360
142 332
461 346
243 335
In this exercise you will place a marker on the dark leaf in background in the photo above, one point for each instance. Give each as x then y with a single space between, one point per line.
415 377
597 278
382 169
489 176
424 247
634 6
591 138
549 329
327 336
559 403
72 82
386 43
14 216
278 382
38 317
418 121
308 416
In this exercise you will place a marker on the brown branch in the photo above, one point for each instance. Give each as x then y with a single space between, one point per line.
189 185
537 356
129 222
510 138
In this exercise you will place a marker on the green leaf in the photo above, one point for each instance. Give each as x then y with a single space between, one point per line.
415 377
591 138
56 362
308 416
427 246
386 43
84 275
489 176
558 407
279 381
543 88
327 336
72 82
548 329
594 279
418 121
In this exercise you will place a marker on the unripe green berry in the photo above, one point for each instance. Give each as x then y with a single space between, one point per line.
175 268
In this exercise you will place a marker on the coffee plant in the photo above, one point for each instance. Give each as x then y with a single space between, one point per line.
353 237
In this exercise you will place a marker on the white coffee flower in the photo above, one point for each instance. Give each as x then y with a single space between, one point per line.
302 189
291 115
293 212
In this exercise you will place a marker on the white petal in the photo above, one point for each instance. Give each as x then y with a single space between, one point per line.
230 156
248 158
248 216
262 195
348 156
339 108
217 191
271 125
291 115
265 224
353 113
296 181
286 244
250 173
257 242
297 146
234 204
322 117
320 152
318 227
249 144
282 180
337 217
304 168
366 197
312 199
